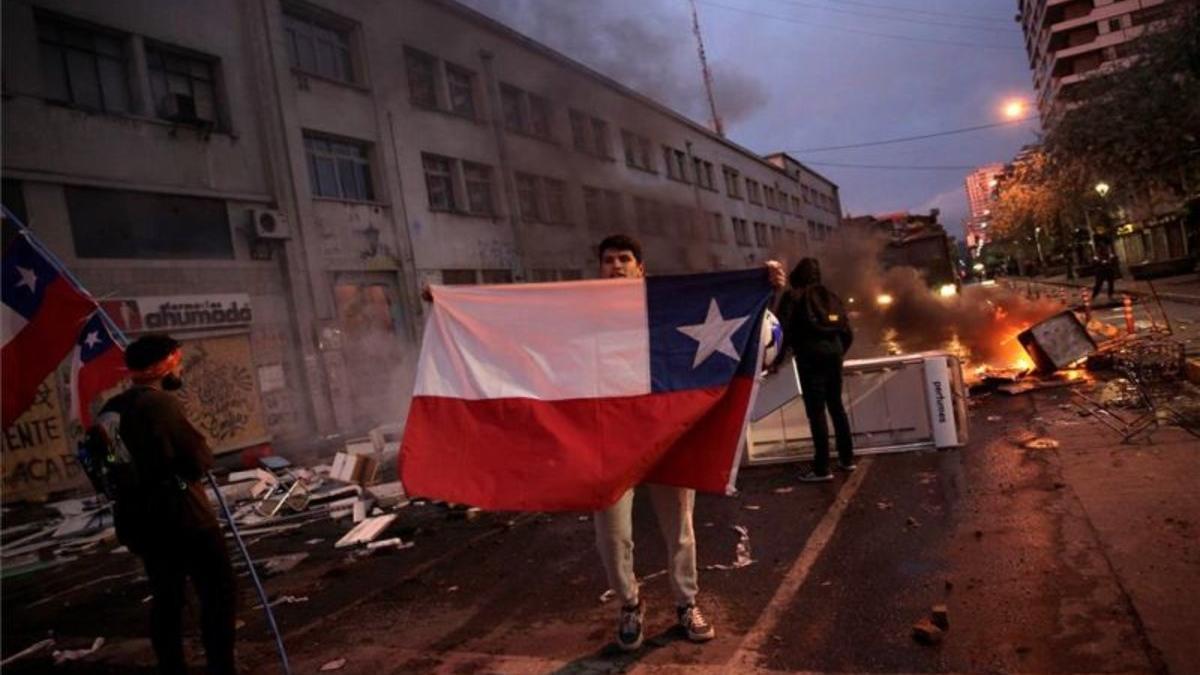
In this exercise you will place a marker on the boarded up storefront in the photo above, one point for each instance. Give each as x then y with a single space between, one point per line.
220 391
38 451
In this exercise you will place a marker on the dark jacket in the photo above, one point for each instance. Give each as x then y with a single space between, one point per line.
815 325
172 458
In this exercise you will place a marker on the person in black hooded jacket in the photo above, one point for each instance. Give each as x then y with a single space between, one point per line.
816 333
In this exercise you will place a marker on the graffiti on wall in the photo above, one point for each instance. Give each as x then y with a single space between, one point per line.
37 456
219 392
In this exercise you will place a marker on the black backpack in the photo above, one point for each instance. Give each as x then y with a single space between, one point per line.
137 504
105 458
825 312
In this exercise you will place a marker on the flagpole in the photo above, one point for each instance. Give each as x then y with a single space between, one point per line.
262 594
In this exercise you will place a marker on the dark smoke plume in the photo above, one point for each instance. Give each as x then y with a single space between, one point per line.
980 323
649 50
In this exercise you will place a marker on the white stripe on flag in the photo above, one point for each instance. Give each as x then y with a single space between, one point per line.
76 365
553 341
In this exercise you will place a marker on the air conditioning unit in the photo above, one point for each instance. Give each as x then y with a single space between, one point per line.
179 108
270 224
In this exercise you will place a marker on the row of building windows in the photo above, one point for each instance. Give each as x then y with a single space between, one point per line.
542 199
440 85
91 67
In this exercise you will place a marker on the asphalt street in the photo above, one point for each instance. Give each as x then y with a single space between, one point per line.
1076 559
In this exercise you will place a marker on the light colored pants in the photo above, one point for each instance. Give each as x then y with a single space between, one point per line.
614 538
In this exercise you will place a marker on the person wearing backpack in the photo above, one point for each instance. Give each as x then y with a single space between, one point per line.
816 333
161 510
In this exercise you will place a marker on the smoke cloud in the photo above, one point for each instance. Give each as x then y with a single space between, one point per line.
979 324
651 51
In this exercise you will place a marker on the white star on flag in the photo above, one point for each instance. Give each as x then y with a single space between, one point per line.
714 335
92 339
28 278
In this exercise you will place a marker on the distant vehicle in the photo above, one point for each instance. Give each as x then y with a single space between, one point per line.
932 253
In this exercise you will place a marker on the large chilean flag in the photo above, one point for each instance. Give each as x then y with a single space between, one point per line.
41 314
561 396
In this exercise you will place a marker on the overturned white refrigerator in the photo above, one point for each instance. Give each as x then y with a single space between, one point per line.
895 404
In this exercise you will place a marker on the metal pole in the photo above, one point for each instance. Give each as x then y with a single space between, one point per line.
262 594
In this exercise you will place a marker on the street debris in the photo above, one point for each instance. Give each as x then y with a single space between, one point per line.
1040 443
940 616
911 522
926 633
883 505
741 554
336 664
608 595
784 490
286 600
752 507
394 542
366 531
63 656
28 651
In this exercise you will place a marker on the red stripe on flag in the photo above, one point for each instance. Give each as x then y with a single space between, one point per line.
94 378
32 354
579 454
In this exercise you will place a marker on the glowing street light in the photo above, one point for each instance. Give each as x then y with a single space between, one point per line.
1014 109
1102 189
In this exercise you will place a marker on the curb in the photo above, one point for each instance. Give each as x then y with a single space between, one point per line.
1173 297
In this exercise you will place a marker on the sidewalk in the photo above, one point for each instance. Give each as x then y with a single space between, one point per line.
1182 288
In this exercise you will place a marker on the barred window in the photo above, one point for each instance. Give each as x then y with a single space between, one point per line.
338 168
593 208
556 200
539 116
316 47
459 277
600 138
83 66
497 276
183 86
439 182
579 130
528 198
510 103
460 83
422 78
478 179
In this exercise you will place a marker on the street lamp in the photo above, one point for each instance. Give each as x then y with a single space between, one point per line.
1102 189
1014 109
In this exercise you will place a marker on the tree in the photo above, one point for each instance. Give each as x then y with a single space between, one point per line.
1040 201
1136 126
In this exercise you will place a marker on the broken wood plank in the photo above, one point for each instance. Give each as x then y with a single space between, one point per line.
366 531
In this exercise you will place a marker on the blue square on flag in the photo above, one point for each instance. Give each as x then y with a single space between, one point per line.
704 328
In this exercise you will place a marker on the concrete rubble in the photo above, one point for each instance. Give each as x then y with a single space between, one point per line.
271 500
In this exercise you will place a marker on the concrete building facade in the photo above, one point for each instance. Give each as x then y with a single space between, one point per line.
980 185
318 163
1069 40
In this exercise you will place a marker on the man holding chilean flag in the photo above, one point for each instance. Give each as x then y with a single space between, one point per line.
564 396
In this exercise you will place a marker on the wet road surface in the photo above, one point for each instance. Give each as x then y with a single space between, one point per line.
1078 559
